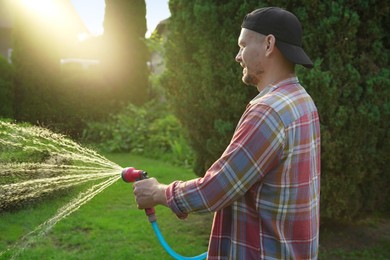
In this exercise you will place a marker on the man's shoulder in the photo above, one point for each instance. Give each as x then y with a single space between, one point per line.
290 102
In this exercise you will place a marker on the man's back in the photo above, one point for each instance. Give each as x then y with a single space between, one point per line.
278 217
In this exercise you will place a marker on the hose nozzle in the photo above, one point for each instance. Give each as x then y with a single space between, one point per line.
130 174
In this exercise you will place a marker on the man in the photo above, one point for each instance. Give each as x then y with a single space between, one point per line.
265 187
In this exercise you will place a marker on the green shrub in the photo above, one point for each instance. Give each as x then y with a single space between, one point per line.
125 55
202 79
149 130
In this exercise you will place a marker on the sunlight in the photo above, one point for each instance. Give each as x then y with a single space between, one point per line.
54 25
83 36
45 8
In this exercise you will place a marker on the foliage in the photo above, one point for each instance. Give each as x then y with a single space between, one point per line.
36 55
84 95
6 88
149 130
202 81
349 43
63 97
155 45
125 60
351 86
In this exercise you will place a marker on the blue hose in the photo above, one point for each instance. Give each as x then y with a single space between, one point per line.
169 249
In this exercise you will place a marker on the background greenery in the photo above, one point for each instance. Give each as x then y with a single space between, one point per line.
149 130
6 88
63 97
198 101
124 61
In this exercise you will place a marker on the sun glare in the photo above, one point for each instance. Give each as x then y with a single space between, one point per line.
45 8
51 26
82 37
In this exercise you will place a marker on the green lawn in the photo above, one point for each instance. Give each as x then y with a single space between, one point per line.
109 226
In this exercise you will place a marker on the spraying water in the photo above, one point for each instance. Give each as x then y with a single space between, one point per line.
50 163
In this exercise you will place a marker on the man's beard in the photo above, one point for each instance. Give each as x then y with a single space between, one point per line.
251 79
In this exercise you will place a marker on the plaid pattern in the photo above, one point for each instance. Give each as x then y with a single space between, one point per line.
265 188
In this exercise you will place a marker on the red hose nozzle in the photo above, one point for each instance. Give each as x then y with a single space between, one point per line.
130 174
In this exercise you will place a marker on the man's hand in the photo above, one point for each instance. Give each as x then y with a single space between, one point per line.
149 193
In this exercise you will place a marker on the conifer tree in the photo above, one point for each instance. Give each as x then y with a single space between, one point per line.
125 57
6 89
36 60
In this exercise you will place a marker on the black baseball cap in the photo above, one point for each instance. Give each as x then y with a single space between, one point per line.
286 28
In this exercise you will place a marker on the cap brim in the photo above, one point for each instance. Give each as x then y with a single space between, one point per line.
295 54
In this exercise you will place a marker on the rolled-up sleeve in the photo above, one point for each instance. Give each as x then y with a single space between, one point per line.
170 195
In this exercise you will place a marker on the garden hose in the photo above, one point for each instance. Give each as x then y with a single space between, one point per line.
169 249
130 174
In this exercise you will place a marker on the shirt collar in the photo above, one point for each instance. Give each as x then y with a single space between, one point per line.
269 88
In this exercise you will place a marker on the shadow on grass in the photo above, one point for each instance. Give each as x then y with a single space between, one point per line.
368 239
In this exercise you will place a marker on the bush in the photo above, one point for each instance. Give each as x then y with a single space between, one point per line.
83 96
202 79
148 130
351 87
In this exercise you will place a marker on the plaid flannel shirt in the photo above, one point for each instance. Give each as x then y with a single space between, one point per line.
265 187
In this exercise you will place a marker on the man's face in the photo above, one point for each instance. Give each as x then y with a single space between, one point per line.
250 56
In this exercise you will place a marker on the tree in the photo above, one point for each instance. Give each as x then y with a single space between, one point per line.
63 97
35 62
6 89
350 84
36 59
125 57
202 80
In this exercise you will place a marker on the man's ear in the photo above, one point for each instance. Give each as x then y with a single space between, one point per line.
270 42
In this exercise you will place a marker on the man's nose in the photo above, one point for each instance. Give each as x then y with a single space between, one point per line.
238 57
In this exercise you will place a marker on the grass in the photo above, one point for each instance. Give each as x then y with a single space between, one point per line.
365 239
110 225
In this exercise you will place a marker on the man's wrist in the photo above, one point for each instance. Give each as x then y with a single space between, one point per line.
159 196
